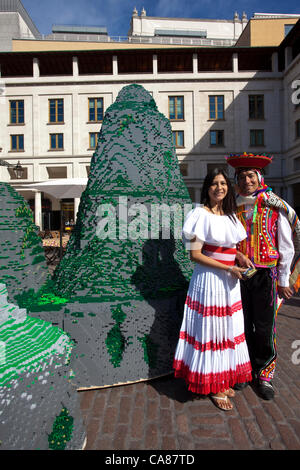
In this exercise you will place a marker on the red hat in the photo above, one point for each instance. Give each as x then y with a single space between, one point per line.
249 160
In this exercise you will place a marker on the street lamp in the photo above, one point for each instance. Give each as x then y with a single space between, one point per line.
17 169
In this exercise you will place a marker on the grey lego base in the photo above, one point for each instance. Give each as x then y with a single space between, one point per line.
89 324
30 405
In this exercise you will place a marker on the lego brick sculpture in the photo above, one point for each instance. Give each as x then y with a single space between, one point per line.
37 398
22 261
125 271
36 395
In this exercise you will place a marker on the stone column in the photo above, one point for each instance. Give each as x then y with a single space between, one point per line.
76 206
115 65
290 195
75 66
38 209
275 62
288 56
36 67
154 64
195 63
235 63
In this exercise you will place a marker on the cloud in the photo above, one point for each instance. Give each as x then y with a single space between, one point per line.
194 9
114 14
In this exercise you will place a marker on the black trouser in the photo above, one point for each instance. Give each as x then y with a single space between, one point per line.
259 306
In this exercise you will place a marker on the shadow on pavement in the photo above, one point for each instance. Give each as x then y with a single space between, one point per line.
175 389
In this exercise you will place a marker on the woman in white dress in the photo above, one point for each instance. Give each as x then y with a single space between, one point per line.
212 354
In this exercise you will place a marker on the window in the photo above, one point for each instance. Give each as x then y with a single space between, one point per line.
297 128
95 109
256 106
217 138
55 172
16 112
257 137
297 164
178 138
56 111
17 143
216 107
287 28
221 166
176 108
93 139
56 141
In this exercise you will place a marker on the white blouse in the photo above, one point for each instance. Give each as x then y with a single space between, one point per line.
212 229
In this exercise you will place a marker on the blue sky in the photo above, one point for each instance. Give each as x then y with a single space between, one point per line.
116 14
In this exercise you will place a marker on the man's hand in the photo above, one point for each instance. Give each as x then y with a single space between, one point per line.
243 260
284 292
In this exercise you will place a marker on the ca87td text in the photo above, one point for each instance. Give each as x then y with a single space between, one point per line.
171 459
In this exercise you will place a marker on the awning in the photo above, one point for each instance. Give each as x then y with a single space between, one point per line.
62 188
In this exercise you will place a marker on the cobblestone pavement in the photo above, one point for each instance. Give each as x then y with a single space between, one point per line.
162 415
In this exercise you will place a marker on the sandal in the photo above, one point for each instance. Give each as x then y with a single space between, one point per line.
225 399
229 393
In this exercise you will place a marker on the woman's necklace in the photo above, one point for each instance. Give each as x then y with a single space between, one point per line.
220 212
216 212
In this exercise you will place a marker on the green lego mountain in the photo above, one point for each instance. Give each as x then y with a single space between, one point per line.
122 246
22 260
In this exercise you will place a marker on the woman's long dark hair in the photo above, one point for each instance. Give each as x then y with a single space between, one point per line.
229 203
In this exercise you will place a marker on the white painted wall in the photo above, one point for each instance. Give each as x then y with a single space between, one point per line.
278 122
218 29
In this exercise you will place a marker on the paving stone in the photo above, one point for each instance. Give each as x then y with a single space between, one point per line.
288 437
182 424
240 438
161 414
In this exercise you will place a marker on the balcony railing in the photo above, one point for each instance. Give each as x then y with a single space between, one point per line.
175 40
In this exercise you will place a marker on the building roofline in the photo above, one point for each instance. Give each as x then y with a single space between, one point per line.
273 16
233 49
16 6
185 19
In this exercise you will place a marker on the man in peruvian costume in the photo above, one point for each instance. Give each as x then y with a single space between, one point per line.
270 224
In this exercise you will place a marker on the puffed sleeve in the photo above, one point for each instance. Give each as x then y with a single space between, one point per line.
195 225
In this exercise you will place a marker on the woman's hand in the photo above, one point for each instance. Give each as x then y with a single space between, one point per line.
243 260
237 272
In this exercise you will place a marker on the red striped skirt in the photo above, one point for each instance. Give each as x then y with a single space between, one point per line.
211 353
